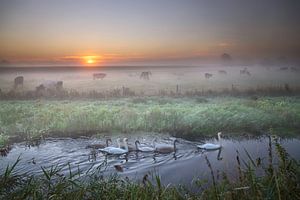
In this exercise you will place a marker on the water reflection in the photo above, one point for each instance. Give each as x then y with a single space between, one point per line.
187 159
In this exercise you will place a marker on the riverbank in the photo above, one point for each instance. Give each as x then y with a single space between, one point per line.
181 117
280 180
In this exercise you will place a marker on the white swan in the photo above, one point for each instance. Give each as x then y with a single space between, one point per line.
99 146
210 146
143 149
122 146
116 150
164 148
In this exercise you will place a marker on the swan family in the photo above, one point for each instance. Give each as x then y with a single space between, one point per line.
123 149
157 148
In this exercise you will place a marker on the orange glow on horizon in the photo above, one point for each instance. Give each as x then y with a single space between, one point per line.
91 60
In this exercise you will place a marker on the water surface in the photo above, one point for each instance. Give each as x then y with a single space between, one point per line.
182 167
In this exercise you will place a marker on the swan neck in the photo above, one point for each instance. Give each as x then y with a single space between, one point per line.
153 142
220 139
136 145
126 145
119 144
107 142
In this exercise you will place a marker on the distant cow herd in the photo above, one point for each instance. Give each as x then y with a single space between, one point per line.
56 86
51 87
99 76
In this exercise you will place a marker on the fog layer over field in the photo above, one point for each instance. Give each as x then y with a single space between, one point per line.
162 78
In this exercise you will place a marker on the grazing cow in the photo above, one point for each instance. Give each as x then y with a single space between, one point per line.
208 75
145 75
53 85
245 71
222 72
59 85
40 90
19 80
49 87
99 76
294 69
283 68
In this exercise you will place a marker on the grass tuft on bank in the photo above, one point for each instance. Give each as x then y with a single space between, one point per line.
178 116
280 180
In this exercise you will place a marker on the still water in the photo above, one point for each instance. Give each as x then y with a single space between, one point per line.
182 167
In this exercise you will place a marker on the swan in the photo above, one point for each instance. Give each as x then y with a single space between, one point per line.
143 149
210 146
165 148
116 150
99 146
122 146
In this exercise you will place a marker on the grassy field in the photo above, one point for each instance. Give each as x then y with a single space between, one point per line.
162 79
280 180
181 117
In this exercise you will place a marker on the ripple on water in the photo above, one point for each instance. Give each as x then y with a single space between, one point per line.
181 167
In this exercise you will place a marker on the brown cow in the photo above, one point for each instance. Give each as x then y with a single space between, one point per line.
145 75
49 88
294 69
99 76
283 68
19 80
59 85
208 75
245 71
222 72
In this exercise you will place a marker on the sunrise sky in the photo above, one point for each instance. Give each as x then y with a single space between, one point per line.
122 32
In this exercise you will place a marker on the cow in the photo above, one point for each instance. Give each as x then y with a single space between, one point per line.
245 71
59 85
53 85
49 87
294 69
19 80
40 90
99 76
208 75
145 75
222 72
283 68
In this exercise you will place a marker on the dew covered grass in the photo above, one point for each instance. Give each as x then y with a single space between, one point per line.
195 116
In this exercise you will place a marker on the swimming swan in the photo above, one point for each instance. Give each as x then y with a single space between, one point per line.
122 146
143 149
116 150
99 146
165 148
210 146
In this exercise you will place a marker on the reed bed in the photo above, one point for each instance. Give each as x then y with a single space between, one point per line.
280 180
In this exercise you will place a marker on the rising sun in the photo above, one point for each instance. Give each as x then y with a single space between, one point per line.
91 59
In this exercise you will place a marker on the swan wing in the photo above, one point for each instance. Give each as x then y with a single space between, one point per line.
209 146
146 149
113 150
163 146
164 149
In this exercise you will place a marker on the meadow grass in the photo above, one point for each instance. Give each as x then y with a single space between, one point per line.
178 116
280 180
